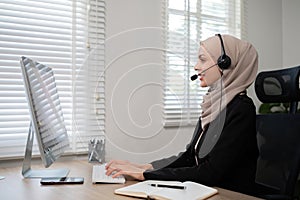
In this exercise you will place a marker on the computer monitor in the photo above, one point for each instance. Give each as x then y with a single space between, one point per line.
47 122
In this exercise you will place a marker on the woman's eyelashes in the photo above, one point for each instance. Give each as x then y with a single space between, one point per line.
202 58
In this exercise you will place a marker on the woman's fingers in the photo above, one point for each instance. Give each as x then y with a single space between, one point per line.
117 162
116 169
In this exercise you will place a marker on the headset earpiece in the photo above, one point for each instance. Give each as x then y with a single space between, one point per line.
224 61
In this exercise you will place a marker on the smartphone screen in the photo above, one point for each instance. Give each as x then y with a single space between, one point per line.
65 180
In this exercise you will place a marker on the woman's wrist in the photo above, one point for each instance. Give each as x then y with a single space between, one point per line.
148 166
145 166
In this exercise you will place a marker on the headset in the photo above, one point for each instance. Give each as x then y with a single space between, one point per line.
224 61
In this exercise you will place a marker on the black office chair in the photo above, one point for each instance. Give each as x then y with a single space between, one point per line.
278 135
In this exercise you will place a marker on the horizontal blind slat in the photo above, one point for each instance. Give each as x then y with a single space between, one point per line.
42 30
185 27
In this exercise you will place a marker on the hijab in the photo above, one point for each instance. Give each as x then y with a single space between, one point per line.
236 79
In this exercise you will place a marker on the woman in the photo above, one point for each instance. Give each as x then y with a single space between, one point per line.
223 151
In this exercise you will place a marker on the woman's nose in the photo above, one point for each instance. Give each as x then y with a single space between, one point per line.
197 66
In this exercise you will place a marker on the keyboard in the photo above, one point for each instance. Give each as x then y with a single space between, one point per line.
99 176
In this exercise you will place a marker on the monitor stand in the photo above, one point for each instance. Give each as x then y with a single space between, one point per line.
27 172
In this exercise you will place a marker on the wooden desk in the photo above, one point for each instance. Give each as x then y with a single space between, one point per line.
15 187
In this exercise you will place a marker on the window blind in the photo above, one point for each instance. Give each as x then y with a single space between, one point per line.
186 23
68 36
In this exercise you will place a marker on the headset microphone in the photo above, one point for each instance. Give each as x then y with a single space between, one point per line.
195 76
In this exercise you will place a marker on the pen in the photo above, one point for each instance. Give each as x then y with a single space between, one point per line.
181 187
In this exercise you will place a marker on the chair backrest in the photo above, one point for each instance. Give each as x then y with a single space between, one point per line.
278 134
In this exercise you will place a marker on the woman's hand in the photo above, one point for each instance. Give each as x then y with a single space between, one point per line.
122 167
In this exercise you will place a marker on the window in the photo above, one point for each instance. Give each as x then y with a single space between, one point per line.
68 36
187 23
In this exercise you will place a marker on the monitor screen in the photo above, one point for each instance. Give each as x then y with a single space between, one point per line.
47 121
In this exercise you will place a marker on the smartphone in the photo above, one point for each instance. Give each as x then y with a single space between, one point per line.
64 180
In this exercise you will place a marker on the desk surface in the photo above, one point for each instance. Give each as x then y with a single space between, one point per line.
15 187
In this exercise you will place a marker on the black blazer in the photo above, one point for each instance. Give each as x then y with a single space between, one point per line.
231 164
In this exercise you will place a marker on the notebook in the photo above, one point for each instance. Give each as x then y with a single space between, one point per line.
99 176
167 190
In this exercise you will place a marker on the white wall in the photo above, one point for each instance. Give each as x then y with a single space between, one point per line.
264 28
134 84
134 81
291 31
273 29
265 31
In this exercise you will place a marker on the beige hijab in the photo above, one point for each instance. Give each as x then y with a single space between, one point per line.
236 79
